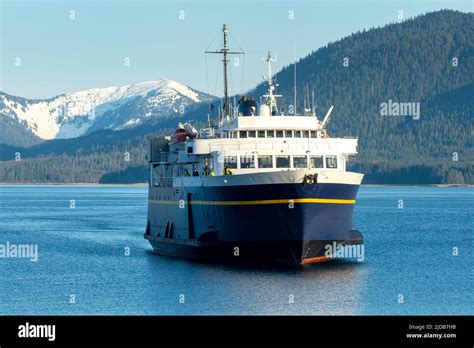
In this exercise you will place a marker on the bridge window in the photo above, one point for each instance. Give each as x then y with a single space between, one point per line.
265 161
279 134
282 161
247 161
271 134
230 161
300 162
314 134
243 134
316 162
251 134
261 134
297 134
331 162
289 134
305 134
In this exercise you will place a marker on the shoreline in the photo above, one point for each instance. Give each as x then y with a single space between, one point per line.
145 184
67 184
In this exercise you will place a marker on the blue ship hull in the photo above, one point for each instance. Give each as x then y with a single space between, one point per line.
287 222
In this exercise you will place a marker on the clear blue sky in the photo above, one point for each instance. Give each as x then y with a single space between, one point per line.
59 54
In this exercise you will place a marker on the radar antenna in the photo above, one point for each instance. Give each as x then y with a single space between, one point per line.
270 98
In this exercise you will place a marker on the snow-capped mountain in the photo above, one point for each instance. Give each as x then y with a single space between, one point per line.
74 114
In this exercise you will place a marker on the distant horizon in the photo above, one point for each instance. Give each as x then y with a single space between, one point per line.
41 60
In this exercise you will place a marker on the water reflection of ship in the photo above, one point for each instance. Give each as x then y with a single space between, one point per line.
288 197
233 289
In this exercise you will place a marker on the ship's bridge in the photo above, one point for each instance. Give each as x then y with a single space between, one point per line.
276 122
272 127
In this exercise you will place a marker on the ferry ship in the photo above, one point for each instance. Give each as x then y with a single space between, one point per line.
260 185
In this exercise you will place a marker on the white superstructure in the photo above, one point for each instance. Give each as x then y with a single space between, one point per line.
258 142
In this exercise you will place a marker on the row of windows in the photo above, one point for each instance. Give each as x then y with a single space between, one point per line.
280 161
272 134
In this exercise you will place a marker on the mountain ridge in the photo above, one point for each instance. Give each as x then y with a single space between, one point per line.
70 115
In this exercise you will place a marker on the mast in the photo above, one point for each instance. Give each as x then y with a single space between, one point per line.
271 98
225 51
225 60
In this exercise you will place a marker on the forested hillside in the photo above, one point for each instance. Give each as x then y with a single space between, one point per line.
428 60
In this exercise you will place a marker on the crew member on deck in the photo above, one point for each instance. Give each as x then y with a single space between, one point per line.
195 172
186 172
227 170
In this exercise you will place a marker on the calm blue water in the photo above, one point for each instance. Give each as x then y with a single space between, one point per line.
81 252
